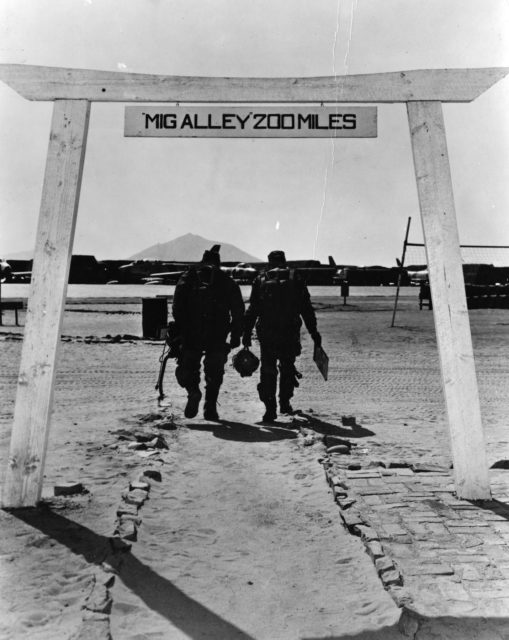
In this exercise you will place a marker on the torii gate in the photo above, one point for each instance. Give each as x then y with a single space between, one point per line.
72 91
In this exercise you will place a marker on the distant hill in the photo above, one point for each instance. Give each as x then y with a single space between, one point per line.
190 248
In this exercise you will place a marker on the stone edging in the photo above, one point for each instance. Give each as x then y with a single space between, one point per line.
357 526
95 624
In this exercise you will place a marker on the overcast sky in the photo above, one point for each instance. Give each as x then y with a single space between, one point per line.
349 198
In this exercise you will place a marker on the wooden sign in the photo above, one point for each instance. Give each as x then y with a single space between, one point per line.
251 122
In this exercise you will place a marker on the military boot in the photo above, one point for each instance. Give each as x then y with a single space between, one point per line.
210 406
270 412
193 402
285 407
210 412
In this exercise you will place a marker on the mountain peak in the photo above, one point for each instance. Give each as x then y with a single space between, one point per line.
189 248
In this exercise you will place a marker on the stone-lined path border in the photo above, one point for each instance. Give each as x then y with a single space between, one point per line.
437 556
148 445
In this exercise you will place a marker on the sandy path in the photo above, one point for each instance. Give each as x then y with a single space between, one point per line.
242 540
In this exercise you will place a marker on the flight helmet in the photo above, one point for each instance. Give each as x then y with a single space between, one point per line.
245 362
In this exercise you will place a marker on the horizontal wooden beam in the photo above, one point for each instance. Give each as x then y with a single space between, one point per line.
58 83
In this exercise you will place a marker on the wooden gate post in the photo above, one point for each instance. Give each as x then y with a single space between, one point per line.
55 234
452 324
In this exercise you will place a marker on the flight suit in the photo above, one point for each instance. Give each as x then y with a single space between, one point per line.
279 302
207 306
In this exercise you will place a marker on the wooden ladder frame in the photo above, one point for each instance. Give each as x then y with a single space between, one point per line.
73 90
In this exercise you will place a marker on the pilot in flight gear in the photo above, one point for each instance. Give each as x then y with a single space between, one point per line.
207 306
279 302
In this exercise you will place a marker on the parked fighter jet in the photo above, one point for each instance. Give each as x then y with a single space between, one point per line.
315 273
165 277
242 272
5 271
151 272
417 274
12 271
418 277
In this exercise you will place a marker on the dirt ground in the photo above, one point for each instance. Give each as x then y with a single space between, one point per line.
240 539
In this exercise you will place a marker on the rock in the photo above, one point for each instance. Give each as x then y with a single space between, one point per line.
129 517
150 417
148 454
68 488
144 437
94 616
309 440
331 441
105 578
338 492
120 545
346 503
339 448
392 578
375 549
423 467
136 497
167 425
99 600
366 533
337 482
384 564
93 628
139 484
403 598
136 446
127 509
123 434
158 443
110 566
154 474
351 518
126 529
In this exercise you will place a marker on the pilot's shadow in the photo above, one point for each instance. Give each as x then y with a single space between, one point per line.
243 432
349 429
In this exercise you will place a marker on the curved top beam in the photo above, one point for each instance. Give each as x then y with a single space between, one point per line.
55 83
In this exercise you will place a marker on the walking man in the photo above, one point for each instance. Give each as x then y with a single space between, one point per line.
207 306
279 299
